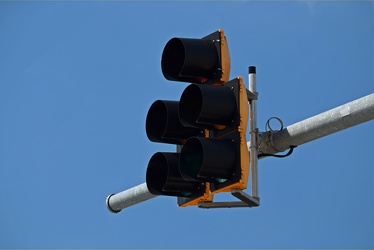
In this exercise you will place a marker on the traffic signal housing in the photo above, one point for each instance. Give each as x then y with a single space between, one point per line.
221 158
208 124
205 60
163 176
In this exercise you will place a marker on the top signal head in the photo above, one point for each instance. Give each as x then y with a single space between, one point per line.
205 60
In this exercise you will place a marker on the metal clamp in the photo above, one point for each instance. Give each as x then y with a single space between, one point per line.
252 95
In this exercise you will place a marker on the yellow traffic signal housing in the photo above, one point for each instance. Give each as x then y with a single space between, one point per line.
208 123
222 158
240 179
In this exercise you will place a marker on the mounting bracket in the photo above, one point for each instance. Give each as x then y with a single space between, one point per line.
245 201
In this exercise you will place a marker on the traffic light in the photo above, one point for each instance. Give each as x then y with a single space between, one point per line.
205 60
221 158
208 123
163 176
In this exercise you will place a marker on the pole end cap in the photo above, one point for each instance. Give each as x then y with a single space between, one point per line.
108 206
252 70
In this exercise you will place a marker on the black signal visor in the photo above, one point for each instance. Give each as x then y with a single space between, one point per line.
163 177
163 124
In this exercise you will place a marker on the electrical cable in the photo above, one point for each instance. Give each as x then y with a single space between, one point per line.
271 131
279 156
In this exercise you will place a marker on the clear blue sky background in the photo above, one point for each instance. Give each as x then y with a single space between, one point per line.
77 80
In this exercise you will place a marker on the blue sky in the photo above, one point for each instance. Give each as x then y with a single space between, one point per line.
77 80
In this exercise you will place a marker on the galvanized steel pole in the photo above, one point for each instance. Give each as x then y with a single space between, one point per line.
116 202
253 145
326 123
